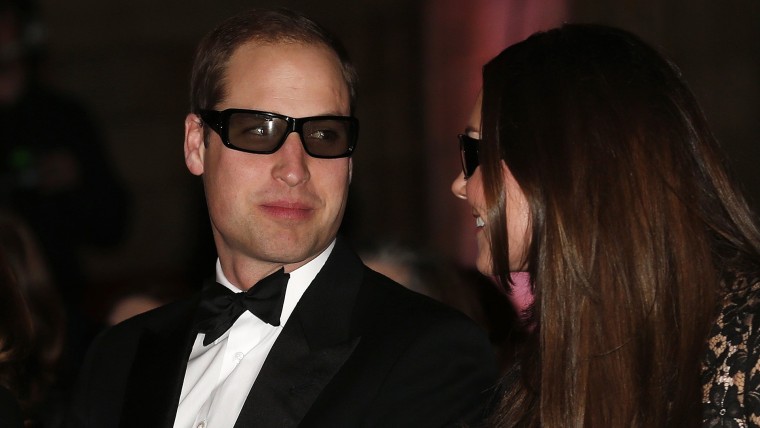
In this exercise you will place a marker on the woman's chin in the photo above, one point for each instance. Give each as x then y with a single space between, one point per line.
484 264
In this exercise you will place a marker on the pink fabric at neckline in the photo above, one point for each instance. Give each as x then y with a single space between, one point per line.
521 295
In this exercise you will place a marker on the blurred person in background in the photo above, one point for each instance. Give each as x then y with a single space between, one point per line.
54 170
15 335
591 169
31 327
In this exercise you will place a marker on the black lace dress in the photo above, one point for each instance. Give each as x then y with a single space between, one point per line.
731 369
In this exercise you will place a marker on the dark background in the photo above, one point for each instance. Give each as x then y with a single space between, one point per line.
419 63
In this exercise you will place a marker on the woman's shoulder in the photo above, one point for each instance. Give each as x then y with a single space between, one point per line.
731 368
741 302
738 320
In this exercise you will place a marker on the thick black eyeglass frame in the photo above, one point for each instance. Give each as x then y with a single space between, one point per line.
219 121
468 149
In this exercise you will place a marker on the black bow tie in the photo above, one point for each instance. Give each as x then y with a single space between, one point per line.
220 307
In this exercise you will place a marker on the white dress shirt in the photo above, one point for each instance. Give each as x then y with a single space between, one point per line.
220 375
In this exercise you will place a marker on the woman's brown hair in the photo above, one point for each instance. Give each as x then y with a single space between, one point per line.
635 224
31 319
16 329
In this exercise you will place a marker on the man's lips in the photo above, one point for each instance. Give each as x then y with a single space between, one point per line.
287 210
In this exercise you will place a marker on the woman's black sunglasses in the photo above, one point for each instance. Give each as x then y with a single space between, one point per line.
468 148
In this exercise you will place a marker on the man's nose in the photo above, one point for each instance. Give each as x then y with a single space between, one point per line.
291 166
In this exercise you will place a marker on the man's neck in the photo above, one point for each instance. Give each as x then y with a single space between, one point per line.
242 275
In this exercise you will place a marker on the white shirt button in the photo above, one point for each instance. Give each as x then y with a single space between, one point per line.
202 424
239 356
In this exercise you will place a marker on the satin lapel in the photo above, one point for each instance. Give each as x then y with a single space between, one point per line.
156 377
290 381
313 346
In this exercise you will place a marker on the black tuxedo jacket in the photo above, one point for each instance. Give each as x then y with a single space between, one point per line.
358 351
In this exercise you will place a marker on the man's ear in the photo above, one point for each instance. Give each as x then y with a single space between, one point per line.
350 169
194 146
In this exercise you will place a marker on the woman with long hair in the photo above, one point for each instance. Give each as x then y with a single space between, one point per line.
16 331
590 168
31 329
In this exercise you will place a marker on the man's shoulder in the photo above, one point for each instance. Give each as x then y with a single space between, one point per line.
393 305
434 356
178 309
164 318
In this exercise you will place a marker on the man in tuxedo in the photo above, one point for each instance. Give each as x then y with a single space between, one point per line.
296 331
